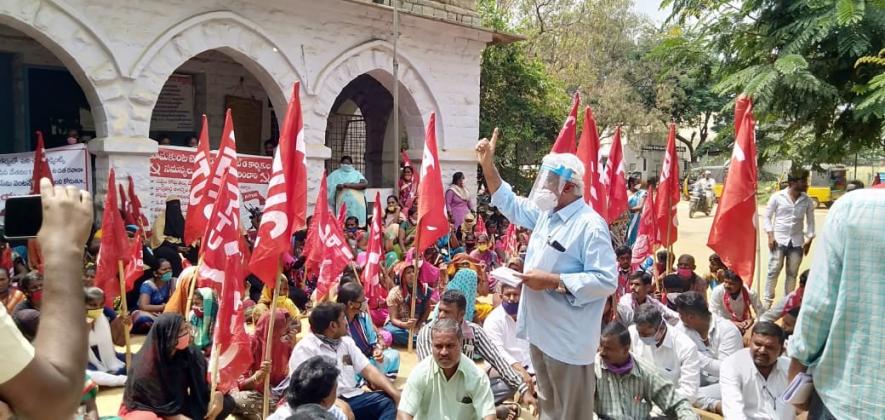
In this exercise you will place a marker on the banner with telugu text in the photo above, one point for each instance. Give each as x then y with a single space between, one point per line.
70 166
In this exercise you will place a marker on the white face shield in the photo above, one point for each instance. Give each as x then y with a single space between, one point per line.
548 186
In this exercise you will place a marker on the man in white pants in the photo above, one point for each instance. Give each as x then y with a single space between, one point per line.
570 270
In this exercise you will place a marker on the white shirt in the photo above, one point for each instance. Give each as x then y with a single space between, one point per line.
784 217
748 395
706 184
676 359
717 303
501 329
16 350
725 339
627 309
348 358
284 412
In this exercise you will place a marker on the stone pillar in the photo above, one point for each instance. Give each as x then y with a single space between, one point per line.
128 156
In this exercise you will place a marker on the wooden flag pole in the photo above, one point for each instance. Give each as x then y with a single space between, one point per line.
414 288
121 272
268 345
668 265
192 288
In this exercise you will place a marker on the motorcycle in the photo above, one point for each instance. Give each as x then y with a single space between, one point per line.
700 201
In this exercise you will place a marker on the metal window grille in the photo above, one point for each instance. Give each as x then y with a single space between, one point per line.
346 136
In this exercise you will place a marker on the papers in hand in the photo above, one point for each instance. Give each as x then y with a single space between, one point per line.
506 276
799 391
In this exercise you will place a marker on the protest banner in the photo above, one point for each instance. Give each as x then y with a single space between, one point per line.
70 166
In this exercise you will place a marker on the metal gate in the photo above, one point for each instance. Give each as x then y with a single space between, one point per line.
346 136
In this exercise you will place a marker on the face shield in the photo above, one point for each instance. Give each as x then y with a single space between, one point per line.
548 186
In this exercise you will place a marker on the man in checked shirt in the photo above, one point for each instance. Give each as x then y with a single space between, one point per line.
453 305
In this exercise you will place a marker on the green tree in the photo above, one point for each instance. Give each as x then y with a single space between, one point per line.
797 59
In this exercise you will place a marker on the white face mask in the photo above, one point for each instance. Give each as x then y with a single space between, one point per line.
545 199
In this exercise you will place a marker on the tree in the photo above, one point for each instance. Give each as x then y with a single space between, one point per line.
797 59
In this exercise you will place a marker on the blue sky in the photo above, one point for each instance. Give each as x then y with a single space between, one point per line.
651 8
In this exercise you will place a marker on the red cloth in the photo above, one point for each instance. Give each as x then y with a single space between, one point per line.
647 237
668 192
114 244
433 223
342 214
222 267
225 161
615 180
279 351
733 234
588 152
566 141
135 264
372 270
480 228
201 177
124 206
41 165
135 208
286 205
327 248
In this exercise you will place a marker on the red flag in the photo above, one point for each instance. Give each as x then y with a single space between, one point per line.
286 206
312 245
342 214
135 208
114 244
372 269
733 235
222 267
511 242
41 165
328 247
588 152
124 206
480 227
616 183
565 142
647 237
226 159
668 192
201 176
135 265
432 220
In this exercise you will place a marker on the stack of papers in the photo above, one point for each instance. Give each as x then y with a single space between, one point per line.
506 276
799 391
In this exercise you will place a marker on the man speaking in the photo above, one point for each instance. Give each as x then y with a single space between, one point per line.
570 269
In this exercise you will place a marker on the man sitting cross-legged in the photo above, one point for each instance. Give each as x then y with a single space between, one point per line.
732 300
453 305
329 338
447 385
640 284
501 329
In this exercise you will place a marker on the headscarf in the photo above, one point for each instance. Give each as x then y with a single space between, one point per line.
283 302
203 325
166 381
463 258
462 192
279 352
174 228
465 281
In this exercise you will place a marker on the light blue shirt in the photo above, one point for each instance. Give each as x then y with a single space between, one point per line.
563 326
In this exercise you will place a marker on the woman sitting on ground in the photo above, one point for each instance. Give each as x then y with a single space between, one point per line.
283 301
152 297
202 318
105 365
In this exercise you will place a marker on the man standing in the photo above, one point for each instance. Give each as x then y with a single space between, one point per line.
570 270
753 379
785 217
628 386
674 354
715 338
840 326
329 338
347 186
447 385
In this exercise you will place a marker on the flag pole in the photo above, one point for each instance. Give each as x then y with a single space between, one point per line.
668 265
121 273
192 288
414 288
268 345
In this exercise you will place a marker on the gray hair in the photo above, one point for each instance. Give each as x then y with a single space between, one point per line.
446 325
93 293
648 314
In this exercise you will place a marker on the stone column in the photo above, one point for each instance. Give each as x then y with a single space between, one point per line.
128 156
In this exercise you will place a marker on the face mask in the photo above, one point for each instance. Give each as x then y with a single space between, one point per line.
545 200
198 312
482 247
72 140
684 272
653 340
183 342
167 276
510 307
351 230
621 370
346 167
391 209
37 296
94 313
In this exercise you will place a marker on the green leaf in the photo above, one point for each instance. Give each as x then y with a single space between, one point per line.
790 64
849 11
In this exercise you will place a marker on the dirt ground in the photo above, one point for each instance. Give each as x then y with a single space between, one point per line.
692 240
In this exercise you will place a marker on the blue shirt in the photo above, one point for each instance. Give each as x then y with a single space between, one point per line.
563 326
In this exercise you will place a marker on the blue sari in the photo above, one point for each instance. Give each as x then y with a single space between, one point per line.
633 225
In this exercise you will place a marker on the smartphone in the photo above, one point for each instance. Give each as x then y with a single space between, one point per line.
23 217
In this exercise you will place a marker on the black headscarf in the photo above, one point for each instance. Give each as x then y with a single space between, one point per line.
166 381
174 220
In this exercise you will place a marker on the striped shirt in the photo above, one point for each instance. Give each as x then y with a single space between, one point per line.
475 340
632 396
840 330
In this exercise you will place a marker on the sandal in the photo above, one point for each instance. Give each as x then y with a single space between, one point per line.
508 411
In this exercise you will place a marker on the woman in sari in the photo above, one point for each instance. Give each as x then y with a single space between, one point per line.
346 186
250 395
408 228
168 377
399 303
459 201
393 216
634 204
10 296
104 364
468 277
202 318
152 297
283 301
406 186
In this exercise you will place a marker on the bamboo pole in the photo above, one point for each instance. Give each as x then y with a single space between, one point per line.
121 272
268 345
414 288
192 288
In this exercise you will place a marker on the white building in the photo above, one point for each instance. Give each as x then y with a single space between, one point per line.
129 72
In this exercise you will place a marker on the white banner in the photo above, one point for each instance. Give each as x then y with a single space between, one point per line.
70 166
